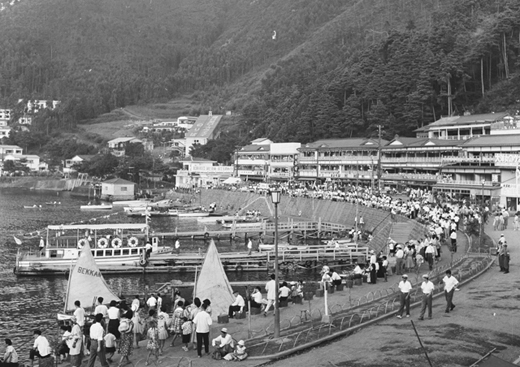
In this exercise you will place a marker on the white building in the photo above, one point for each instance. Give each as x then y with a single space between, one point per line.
200 172
5 116
13 150
204 129
35 105
118 146
117 189
25 120
68 165
283 160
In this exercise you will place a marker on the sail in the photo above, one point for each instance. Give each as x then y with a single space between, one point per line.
86 282
213 283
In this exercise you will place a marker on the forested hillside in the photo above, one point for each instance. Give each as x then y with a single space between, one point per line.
335 68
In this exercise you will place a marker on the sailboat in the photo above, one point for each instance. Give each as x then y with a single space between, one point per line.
86 284
213 283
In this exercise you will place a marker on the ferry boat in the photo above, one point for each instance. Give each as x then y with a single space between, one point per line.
114 247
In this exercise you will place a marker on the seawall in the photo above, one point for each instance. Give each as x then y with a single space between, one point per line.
377 221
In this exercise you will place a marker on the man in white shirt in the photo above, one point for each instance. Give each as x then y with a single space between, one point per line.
159 301
177 246
450 286
97 343
202 323
427 288
258 301
79 314
358 272
223 342
270 288
406 287
453 238
399 260
101 308
41 347
152 302
237 305
429 253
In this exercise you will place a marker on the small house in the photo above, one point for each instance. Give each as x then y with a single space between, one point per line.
117 189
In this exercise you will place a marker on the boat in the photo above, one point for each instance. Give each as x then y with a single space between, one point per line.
143 203
153 213
96 207
53 203
192 214
32 206
247 224
115 247
284 246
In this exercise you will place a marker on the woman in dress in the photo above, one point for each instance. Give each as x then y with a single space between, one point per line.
153 342
176 327
113 319
76 344
162 326
138 327
127 337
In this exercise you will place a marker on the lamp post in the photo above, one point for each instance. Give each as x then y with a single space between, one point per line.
481 216
275 197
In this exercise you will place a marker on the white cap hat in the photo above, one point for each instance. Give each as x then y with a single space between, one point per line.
426 276
405 276
241 342
224 330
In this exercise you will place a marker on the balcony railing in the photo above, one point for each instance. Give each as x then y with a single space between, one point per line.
468 160
250 172
468 182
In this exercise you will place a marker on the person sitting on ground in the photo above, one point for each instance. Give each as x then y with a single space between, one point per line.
237 305
297 292
257 301
284 292
10 358
239 354
223 343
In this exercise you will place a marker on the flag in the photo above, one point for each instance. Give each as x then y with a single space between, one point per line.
17 240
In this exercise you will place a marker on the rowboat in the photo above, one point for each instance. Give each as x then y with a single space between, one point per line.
32 206
132 203
153 213
96 207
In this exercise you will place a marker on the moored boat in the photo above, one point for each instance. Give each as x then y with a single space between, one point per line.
193 214
113 246
96 207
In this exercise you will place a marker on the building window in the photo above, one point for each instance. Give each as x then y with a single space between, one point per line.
124 188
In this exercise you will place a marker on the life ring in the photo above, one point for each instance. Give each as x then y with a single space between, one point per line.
290 265
102 243
132 242
143 262
206 235
82 242
117 242
239 268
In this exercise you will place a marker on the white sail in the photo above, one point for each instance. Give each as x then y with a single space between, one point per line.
86 282
213 283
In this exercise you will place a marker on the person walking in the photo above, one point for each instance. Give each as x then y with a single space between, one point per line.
427 288
399 260
202 323
97 342
405 287
76 344
450 286
126 328
270 288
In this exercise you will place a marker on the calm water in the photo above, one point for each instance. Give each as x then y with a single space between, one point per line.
27 303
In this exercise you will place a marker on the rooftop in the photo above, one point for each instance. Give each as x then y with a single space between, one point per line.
118 181
464 120
204 126
344 143
494 141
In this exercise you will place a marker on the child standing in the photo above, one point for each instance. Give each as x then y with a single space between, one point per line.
186 333
153 342
110 346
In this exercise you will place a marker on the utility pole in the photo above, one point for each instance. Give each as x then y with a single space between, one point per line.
379 161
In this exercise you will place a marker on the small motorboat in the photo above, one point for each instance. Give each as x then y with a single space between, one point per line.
32 206
96 207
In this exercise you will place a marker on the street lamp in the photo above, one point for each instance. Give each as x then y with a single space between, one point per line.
275 197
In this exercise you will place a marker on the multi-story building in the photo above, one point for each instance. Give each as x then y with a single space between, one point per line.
354 158
5 116
4 132
283 161
252 161
118 146
200 172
